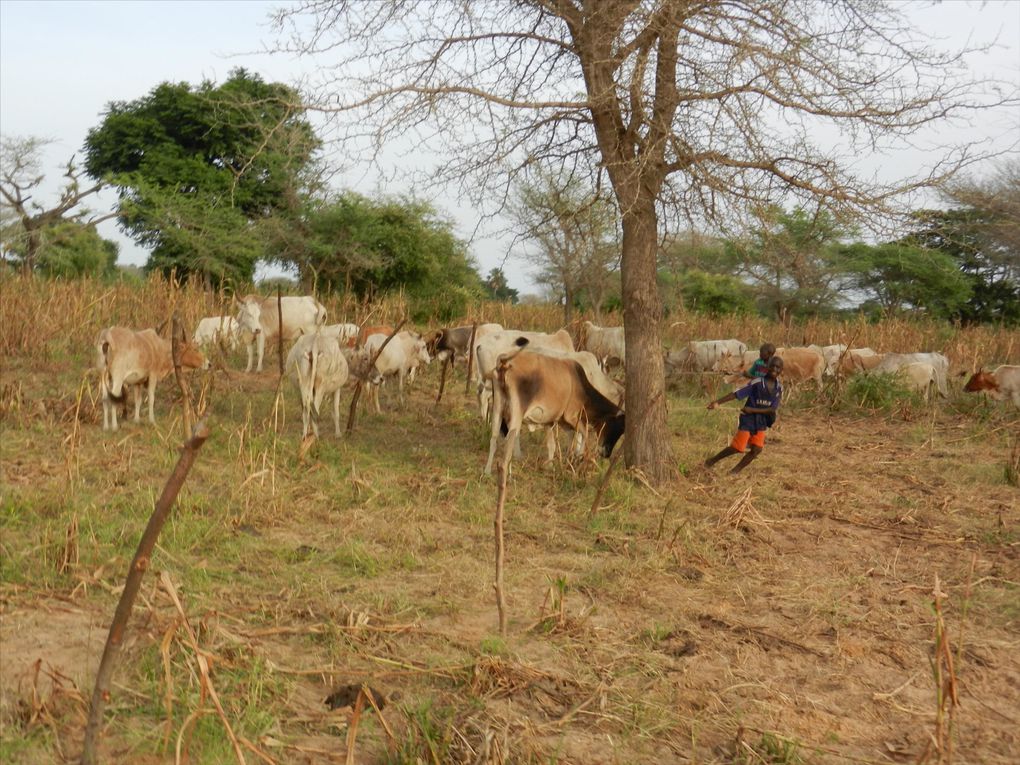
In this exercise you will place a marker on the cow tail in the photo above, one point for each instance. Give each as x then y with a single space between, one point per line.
314 366
106 374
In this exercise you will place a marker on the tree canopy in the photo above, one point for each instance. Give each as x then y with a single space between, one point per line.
373 246
197 167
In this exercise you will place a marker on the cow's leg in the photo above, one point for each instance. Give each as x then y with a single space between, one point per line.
512 435
400 385
550 444
260 341
152 398
136 392
250 347
496 421
336 412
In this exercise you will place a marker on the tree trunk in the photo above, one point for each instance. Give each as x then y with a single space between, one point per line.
568 305
647 444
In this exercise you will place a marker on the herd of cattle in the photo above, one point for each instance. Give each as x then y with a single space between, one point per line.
524 379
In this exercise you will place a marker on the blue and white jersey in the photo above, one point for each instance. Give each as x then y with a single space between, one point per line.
757 395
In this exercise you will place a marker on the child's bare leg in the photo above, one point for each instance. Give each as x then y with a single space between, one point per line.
748 459
729 450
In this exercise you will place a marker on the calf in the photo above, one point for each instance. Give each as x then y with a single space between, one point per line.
801 364
918 376
401 356
539 390
128 358
1001 384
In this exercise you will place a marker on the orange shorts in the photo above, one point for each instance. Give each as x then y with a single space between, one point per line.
744 437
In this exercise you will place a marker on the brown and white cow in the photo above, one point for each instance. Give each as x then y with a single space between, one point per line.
261 321
128 358
537 390
1000 384
492 346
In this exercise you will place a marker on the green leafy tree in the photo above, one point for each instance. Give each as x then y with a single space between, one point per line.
713 294
197 168
900 277
497 288
792 260
373 246
981 233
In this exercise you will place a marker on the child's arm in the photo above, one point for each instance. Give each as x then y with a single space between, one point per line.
723 400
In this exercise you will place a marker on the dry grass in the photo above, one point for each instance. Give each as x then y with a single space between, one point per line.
782 617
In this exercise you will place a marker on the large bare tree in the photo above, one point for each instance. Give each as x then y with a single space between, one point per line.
575 239
685 108
25 217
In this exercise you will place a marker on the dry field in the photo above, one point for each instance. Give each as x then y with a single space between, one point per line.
786 616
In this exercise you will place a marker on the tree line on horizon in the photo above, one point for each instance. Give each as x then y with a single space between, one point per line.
215 179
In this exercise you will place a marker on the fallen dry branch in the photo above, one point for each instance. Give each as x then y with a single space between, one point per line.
203 665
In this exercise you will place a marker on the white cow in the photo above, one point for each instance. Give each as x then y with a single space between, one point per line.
606 343
321 366
217 329
128 358
893 362
831 354
490 347
342 333
260 321
403 354
705 355
918 376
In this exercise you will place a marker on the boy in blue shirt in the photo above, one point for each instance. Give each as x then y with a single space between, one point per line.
757 369
761 399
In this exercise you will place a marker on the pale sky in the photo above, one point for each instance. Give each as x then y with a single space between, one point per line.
62 62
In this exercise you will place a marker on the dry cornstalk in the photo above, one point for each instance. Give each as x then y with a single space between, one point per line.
203 664
133 581
177 340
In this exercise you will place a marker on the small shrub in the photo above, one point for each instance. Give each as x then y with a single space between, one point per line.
878 391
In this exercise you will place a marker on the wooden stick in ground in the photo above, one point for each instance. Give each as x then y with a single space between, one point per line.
442 379
139 565
352 413
471 358
498 527
203 664
352 728
177 340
